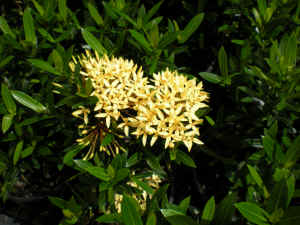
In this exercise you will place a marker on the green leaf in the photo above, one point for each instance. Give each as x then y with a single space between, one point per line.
63 9
28 101
171 212
8 100
143 185
46 34
191 27
27 152
6 61
93 42
211 77
258 180
44 66
185 203
225 210
185 159
152 11
181 220
5 27
30 35
291 216
38 7
208 211
130 212
132 160
268 144
223 62
291 184
151 219
109 218
141 39
98 172
253 213
60 203
18 151
6 122
94 13
167 39
126 17
71 153
293 153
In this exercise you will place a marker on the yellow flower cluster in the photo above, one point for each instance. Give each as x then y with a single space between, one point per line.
165 109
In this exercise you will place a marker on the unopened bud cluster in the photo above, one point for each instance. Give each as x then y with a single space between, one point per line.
163 107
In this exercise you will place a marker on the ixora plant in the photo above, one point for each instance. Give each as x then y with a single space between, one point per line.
164 108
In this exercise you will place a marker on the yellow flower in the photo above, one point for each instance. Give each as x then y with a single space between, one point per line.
170 110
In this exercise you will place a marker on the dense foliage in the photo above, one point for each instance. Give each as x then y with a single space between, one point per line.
69 152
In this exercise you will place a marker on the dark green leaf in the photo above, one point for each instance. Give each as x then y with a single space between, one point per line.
94 13
18 151
211 77
93 42
30 35
107 139
5 61
141 39
130 212
27 152
6 122
185 203
191 28
143 185
63 9
225 210
109 218
8 100
181 220
152 11
253 213
44 66
293 153
185 159
28 101
151 219
223 62
5 27
291 216
208 211
98 172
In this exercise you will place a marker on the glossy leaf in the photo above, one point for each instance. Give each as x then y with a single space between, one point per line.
253 213
223 62
185 159
63 9
5 27
208 211
141 39
191 27
17 152
211 77
93 42
29 29
293 153
44 66
181 220
151 219
28 101
130 213
225 210
8 100
94 13
7 122
96 171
